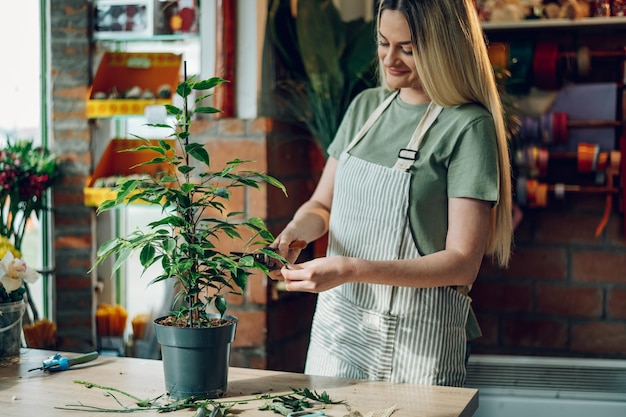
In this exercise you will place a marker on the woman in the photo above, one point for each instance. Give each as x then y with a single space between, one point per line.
415 192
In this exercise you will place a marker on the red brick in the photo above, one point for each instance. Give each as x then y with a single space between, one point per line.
256 291
231 127
537 333
203 126
256 201
73 283
259 125
616 303
566 228
599 338
500 297
78 92
69 197
223 150
74 242
568 301
599 266
537 263
251 328
615 230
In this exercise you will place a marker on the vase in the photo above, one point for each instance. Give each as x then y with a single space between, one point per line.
196 359
11 330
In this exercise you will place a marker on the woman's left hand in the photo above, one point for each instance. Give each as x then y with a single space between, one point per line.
319 274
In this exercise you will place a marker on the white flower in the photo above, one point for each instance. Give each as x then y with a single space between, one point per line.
13 271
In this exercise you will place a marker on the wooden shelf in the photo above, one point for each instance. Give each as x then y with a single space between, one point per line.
585 23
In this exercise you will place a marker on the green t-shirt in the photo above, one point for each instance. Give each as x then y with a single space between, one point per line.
458 157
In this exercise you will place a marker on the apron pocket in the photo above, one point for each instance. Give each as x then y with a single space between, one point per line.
361 338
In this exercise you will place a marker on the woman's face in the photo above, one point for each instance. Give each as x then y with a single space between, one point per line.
395 51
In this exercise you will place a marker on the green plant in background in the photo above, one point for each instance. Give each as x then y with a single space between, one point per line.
326 61
194 200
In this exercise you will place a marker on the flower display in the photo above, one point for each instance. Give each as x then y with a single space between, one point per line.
13 273
26 171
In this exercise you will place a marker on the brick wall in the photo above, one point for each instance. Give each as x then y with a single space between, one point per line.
73 292
564 292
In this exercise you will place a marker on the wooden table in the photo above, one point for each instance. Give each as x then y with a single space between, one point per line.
39 393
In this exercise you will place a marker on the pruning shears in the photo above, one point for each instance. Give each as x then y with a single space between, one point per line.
270 262
57 362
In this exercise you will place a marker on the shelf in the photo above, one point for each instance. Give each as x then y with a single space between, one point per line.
589 22
154 38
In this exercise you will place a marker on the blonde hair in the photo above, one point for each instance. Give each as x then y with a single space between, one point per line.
452 63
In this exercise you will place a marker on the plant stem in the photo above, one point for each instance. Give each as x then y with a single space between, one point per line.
92 385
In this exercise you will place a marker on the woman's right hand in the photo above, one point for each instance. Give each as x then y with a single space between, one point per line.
289 248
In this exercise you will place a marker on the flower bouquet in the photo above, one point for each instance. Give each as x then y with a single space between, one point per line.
26 171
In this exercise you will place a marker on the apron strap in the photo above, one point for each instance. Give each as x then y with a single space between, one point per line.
371 120
407 156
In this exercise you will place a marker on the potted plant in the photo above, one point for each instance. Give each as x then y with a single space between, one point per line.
193 197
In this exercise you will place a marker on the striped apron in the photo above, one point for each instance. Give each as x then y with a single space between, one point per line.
383 332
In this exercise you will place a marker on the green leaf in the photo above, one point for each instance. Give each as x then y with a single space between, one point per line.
207 110
183 90
146 256
198 152
172 110
220 304
209 83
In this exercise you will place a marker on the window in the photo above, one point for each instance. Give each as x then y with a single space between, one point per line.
21 117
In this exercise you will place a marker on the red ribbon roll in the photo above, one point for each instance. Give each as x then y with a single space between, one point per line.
587 157
545 62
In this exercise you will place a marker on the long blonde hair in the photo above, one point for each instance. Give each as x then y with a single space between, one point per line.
452 63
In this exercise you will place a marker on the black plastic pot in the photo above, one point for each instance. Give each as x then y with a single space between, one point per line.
196 360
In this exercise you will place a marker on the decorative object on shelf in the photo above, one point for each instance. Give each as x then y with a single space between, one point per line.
111 168
13 273
123 19
185 242
127 82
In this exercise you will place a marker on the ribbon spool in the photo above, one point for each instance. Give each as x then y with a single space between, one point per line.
536 193
555 126
530 129
537 161
498 54
560 133
587 157
583 61
545 68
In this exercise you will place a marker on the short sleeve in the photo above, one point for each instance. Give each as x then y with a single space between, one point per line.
473 168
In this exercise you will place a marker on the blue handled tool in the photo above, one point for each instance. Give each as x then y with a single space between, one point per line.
57 362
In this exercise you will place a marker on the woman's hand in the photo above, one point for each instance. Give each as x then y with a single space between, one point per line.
319 274
288 249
